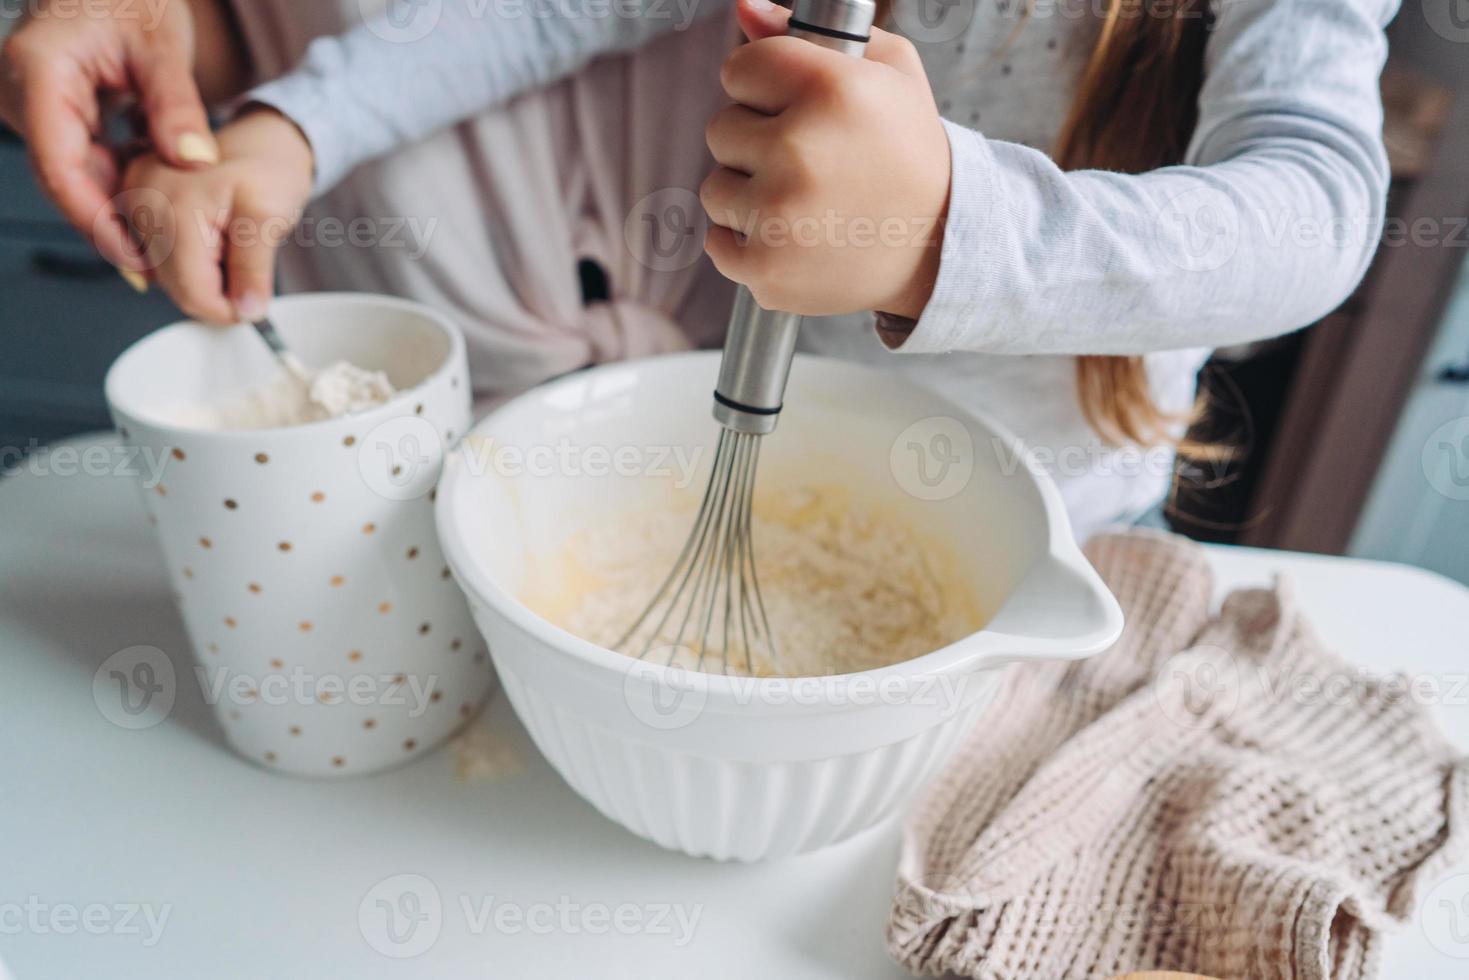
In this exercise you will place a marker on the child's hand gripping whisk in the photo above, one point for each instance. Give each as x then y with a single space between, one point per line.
710 604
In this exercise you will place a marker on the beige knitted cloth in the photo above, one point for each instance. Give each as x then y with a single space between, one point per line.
1189 800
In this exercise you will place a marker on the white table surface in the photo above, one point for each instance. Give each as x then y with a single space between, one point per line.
262 875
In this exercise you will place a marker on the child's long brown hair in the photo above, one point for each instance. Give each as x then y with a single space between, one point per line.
1134 111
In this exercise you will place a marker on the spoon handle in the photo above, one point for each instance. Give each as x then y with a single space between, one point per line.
273 340
267 332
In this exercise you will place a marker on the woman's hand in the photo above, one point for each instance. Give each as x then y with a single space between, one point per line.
55 70
834 173
209 237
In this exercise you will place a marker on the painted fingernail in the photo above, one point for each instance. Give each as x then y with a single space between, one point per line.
134 279
194 148
251 307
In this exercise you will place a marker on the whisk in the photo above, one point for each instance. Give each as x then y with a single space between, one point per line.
713 588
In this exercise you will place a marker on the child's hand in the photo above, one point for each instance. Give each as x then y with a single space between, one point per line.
834 173
210 236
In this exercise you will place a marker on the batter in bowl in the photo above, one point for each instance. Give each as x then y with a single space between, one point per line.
848 586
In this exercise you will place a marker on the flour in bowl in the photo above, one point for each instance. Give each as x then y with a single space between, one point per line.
292 397
847 587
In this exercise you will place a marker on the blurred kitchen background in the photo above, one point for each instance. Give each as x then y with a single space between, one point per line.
1351 437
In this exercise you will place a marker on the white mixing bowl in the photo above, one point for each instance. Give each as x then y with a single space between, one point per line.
753 768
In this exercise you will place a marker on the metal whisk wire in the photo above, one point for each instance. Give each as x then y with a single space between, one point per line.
716 568
718 559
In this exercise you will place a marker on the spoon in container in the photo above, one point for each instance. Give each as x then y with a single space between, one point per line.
273 340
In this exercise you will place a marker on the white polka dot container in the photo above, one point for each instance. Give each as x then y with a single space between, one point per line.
330 637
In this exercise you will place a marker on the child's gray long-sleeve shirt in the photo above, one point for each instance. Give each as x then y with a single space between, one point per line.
1269 225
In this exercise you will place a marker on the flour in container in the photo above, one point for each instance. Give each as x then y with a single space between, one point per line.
847 586
292 397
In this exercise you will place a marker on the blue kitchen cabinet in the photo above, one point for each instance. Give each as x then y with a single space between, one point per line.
64 316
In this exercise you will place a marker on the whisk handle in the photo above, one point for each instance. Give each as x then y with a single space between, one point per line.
761 343
842 25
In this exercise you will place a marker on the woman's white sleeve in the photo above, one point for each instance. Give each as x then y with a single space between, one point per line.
422 65
1269 225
